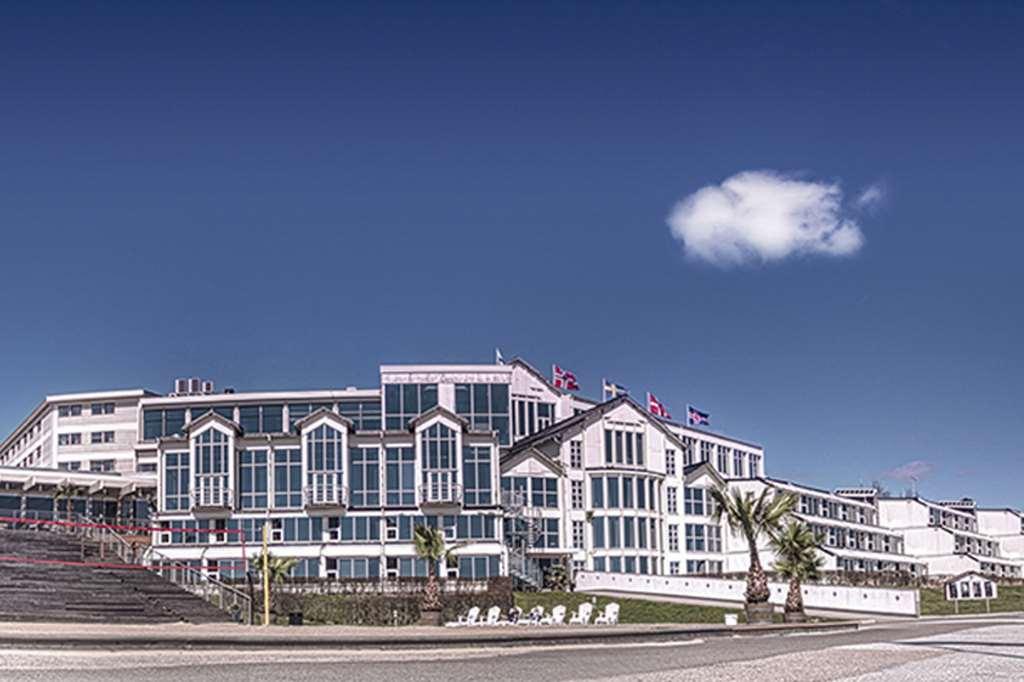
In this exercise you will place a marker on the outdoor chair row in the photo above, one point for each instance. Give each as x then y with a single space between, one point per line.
536 616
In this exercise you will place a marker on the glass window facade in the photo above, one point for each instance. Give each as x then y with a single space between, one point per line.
364 477
287 478
485 407
403 402
252 479
476 476
400 477
176 481
365 414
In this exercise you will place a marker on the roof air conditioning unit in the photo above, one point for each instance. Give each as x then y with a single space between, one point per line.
207 387
180 386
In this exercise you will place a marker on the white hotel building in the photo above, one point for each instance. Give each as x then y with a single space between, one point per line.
519 473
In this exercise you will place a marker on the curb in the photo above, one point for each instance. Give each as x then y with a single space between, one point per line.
262 640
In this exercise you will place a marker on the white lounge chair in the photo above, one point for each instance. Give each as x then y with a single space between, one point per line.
493 617
582 615
610 615
515 615
469 619
534 617
557 616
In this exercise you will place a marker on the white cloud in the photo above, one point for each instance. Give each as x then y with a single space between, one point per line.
871 196
764 216
911 471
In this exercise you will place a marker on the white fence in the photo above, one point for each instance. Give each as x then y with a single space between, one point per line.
868 600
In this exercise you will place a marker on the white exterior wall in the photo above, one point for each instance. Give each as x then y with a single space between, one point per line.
868 600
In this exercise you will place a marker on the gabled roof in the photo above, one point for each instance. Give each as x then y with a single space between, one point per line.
211 416
519 362
694 471
323 412
965 574
513 459
595 412
435 411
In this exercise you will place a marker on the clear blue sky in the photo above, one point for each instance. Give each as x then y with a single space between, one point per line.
287 195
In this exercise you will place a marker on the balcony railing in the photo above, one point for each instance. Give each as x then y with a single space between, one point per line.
441 492
212 497
325 491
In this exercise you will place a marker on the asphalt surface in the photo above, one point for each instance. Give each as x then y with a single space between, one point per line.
991 649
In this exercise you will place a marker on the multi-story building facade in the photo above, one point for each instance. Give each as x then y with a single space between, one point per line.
518 473
78 431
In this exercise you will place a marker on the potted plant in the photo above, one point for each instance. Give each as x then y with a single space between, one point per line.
796 549
430 545
753 518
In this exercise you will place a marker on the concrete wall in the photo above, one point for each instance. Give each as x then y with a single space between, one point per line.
867 600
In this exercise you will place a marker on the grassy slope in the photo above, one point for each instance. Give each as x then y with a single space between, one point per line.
632 610
933 602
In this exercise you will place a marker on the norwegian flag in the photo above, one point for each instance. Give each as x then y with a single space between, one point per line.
655 407
563 378
696 417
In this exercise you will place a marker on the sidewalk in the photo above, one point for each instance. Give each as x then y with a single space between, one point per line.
219 636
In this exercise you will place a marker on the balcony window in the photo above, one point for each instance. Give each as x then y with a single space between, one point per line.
287 478
252 479
324 463
213 462
440 473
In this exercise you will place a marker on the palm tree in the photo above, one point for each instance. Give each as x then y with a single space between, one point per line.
753 517
430 545
278 568
797 559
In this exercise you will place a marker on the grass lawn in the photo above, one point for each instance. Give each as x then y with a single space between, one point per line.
631 610
933 602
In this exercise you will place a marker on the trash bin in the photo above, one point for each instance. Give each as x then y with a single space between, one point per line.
730 619
295 618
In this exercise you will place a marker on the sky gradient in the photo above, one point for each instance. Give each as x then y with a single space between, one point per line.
288 195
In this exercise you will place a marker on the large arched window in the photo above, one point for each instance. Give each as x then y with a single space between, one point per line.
213 464
439 464
324 460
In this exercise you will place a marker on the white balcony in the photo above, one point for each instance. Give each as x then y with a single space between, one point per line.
325 493
440 491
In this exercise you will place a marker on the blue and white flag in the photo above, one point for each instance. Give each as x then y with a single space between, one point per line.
613 390
696 417
499 359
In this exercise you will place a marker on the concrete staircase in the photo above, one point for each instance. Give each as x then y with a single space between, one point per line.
69 593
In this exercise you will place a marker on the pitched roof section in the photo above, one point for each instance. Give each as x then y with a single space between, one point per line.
583 417
519 362
323 412
211 416
512 459
692 472
435 411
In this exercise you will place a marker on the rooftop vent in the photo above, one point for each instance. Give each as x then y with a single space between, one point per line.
192 386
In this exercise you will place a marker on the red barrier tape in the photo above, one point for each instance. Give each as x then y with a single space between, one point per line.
114 526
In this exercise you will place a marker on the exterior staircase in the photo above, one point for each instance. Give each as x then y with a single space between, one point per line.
42 579
521 528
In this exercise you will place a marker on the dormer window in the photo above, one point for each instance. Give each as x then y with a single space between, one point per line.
212 467
325 452
439 465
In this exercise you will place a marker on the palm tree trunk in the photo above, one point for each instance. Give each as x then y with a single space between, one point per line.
757 581
794 600
432 592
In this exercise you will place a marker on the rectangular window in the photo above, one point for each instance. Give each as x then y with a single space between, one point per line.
161 423
577 534
723 460
609 450
706 449
670 462
737 463
695 538
544 492
627 492
485 407
597 492
287 478
101 465
101 408
476 476
364 477
97 437
673 537
69 439
693 501
577 494
261 418
531 416
69 411
671 503
176 481
613 492
400 472
364 414
613 532
597 528
575 454
404 402
714 534
252 479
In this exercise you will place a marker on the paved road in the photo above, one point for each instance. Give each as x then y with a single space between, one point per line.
979 650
